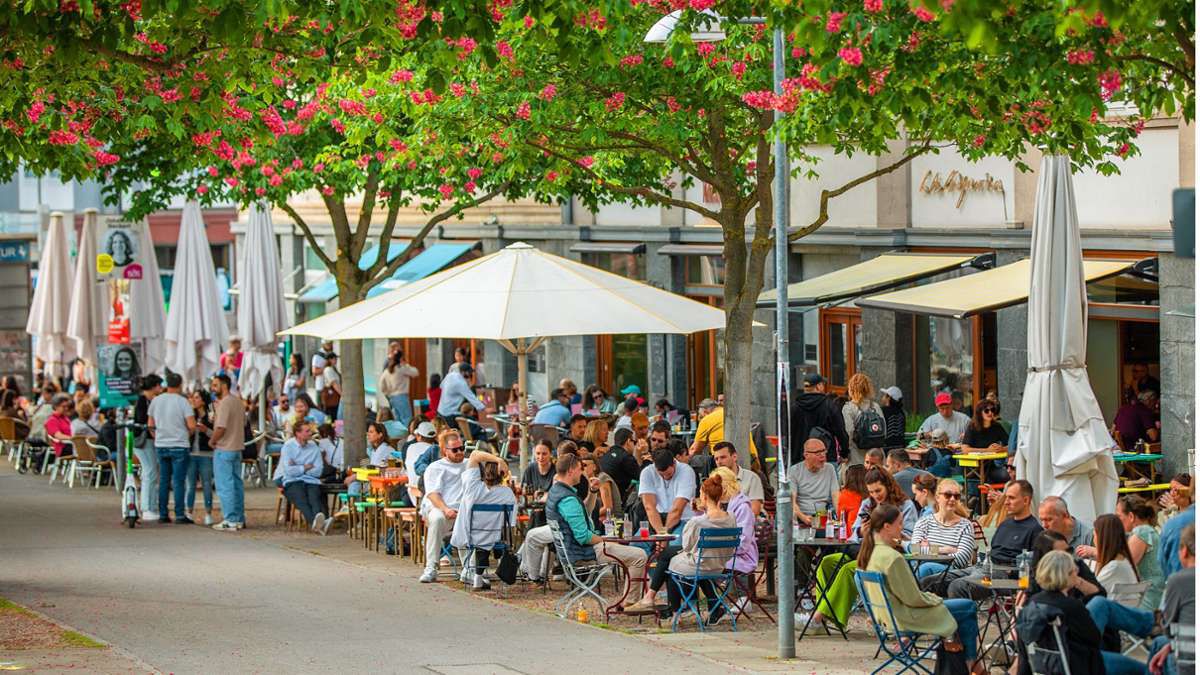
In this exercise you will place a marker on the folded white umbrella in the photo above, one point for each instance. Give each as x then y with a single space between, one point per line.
89 296
147 317
196 332
261 314
49 313
519 296
1063 445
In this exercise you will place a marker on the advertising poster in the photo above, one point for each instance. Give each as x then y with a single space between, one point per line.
120 251
120 370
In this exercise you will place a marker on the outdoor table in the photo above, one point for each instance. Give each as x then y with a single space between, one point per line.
1132 462
915 560
685 434
1156 487
826 547
1000 610
658 542
362 473
329 492
973 464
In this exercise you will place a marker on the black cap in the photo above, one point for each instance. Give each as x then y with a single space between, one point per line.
813 379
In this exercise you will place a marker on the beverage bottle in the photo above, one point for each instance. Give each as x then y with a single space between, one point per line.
987 569
1023 574
609 527
582 615
830 528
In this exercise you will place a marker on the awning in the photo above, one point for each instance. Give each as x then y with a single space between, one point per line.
871 276
692 249
427 262
980 292
326 289
608 247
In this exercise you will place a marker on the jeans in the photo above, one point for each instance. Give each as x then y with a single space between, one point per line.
1105 613
148 459
200 470
1171 667
401 408
227 474
964 615
1119 664
306 497
928 569
173 465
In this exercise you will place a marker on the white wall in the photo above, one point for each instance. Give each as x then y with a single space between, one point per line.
979 208
1139 196
626 214
856 208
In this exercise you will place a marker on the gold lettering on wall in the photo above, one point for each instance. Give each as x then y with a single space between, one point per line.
932 183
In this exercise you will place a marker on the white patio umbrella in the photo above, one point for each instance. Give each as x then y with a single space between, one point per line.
518 296
50 310
1063 445
196 331
89 296
147 318
261 313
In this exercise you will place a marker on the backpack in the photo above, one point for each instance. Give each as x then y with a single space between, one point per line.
870 431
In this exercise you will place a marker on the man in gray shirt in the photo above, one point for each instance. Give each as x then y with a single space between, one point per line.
1054 515
1178 607
814 483
947 418
172 422
902 469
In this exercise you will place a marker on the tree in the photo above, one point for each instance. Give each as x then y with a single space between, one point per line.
644 122
166 100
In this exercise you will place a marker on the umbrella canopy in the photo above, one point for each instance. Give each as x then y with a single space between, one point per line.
147 319
89 296
508 296
1063 445
50 311
260 313
195 331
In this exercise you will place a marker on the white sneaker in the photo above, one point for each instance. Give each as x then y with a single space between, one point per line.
429 576
325 527
208 519
480 584
318 523
226 526
465 575
149 516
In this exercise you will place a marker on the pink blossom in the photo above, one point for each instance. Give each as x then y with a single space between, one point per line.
1110 82
469 187
474 173
1123 150
738 69
523 111
327 190
352 107
457 89
701 5
35 111
1080 57
505 50
212 171
529 21
205 139
170 95
551 176
852 56
632 60
378 118
672 104
401 76
922 14
873 6
201 189
705 48
105 158
668 62
338 125
297 163
980 140
60 137
548 92
447 190
586 162
318 167
834 23
276 180
398 145
760 100
799 52
614 102
231 181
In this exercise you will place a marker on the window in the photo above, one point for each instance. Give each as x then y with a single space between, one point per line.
841 345
628 265
704 275
621 360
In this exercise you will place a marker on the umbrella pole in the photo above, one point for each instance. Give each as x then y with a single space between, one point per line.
522 354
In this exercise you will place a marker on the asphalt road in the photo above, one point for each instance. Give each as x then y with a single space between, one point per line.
185 599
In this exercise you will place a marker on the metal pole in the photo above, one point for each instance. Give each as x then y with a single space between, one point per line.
783 495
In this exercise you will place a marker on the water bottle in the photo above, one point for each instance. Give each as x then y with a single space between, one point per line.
1023 565
987 570
830 528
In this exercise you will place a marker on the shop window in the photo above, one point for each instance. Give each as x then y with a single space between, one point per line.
621 360
704 275
705 361
628 265
840 346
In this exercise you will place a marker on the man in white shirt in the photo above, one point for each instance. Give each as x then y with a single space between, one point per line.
666 488
443 497
318 364
426 435
172 422
456 388
725 454
482 484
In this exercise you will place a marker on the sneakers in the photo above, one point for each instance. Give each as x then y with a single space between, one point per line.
185 521
149 517
642 605
318 523
465 575
429 576
715 616
208 519
480 584
226 526
325 527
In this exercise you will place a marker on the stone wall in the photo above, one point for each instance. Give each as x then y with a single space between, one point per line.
1177 358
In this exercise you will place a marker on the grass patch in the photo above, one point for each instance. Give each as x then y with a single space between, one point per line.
9 606
72 639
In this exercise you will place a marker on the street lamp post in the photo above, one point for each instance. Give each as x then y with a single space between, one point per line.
711 31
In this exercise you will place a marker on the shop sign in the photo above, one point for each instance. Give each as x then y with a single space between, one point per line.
933 183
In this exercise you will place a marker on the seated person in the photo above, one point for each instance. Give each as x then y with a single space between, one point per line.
395 430
875 459
881 551
948 530
952 422
58 426
301 461
666 489
443 498
1179 604
619 462
426 442
1112 556
555 412
1056 575
725 454
577 431
379 447
604 499
684 559
539 474
986 434
627 410
814 484
745 560
1177 499
482 484
332 448
1053 514
302 409
901 468
1013 536
85 423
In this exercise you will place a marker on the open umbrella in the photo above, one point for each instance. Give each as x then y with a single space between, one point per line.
260 313
195 331
85 324
48 315
1063 445
518 296
147 318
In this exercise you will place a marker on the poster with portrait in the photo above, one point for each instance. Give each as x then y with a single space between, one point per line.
120 369
119 251
118 311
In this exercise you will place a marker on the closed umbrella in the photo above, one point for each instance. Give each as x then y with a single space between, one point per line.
86 325
1063 446
519 296
49 313
260 314
147 318
195 331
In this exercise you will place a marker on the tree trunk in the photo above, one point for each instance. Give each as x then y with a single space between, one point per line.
354 408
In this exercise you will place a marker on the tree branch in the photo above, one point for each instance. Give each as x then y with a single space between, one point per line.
308 234
365 212
826 195
1181 72
385 240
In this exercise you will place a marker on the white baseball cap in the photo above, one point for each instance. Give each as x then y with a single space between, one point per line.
894 392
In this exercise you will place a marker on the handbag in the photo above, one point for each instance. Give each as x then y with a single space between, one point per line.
950 663
506 568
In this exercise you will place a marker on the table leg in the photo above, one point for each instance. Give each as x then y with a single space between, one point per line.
823 592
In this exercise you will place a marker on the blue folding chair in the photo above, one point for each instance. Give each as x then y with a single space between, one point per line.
472 530
901 646
716 543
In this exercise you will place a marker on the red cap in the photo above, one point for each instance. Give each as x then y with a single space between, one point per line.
943 399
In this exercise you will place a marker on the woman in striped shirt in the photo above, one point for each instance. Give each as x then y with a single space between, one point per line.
948 530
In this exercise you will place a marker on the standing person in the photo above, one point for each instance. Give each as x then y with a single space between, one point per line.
863 418
331 389
231 359
200 468
172 422
814 409
143 447
891 401
317 367
434 394
1137 516
456 388
394 384
302 465
295 380
228 440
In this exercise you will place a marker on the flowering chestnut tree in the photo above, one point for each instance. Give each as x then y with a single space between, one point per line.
642 122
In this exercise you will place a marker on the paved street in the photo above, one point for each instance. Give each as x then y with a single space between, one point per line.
185 599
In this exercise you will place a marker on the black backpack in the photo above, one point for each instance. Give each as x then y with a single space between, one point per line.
870 430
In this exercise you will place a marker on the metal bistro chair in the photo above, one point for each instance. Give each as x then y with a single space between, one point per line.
901 646
505 541
715 544
583 576
1183 644
1044 661
85 462
1130 595
11 440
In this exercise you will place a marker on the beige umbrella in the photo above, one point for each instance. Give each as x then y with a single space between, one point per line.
518 296
89 296
50 310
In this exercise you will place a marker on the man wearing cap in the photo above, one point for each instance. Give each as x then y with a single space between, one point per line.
711 428
946 418
419 455
456 388
632 391
814 409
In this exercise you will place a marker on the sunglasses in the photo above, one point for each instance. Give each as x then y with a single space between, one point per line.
952 495
1010 467
458 449
989 410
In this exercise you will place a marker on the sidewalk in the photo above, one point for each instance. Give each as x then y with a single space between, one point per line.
31 643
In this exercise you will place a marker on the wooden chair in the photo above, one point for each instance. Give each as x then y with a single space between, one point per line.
85 461
10 439
469 440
